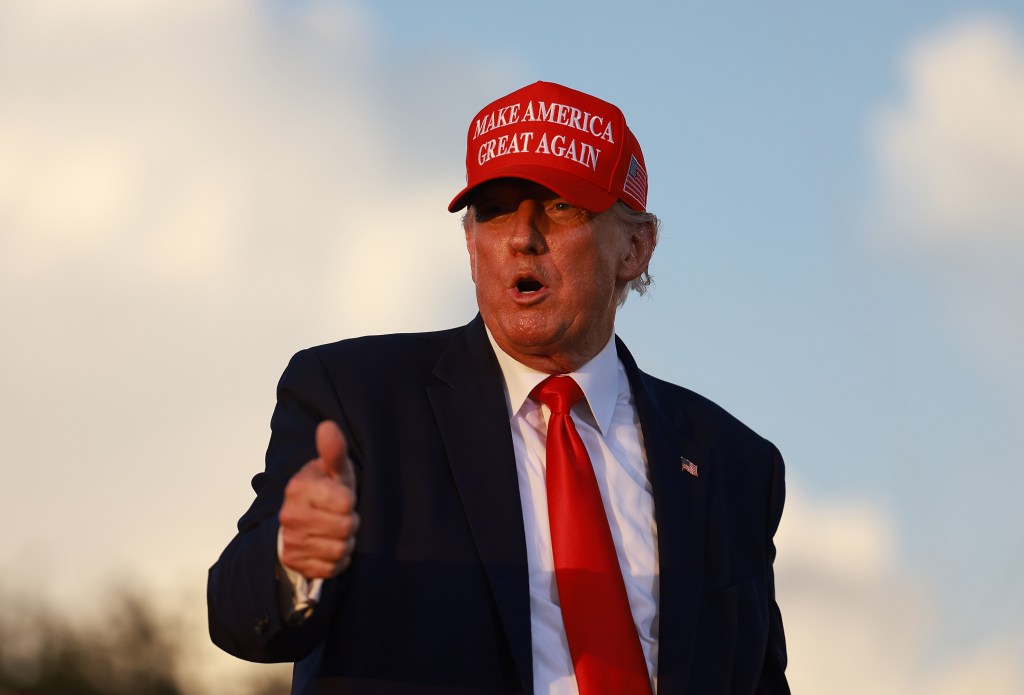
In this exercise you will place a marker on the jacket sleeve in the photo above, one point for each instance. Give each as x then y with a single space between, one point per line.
773 675
243 587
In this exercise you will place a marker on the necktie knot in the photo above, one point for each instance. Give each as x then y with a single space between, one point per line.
559 393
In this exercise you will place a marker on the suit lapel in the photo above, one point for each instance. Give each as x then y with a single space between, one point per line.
680 506
469 405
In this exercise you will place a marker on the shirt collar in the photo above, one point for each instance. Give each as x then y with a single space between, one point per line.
598 379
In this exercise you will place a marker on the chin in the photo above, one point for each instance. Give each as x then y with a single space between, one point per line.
528 328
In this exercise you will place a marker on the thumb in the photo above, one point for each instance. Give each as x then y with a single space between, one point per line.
332 449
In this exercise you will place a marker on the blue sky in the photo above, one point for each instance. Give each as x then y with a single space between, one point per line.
190 192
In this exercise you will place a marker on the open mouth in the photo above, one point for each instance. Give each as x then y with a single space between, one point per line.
528 286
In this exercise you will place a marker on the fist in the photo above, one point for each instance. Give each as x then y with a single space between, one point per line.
318 517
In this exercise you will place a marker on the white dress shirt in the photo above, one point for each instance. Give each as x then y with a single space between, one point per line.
610 429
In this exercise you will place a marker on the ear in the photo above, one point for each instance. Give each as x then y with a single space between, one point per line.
639 247
469 228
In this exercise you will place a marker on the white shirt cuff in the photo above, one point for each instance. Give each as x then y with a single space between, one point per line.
305 592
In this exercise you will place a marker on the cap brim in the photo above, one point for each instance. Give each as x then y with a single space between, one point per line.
577 191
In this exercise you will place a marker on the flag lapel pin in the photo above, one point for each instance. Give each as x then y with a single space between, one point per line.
687 465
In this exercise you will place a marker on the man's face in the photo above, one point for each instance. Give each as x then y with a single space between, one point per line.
548 274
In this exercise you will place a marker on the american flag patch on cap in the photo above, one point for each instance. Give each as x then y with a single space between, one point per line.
635 185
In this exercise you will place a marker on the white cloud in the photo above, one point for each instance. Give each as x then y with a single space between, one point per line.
950 158
196 142
952 149
857 620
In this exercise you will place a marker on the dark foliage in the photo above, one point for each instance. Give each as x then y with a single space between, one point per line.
128 649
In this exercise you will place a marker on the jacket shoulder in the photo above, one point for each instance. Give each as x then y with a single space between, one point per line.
710 423
389 351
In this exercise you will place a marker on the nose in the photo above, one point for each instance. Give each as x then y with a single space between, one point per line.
525 229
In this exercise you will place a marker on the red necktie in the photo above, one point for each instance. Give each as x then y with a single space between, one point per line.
603 641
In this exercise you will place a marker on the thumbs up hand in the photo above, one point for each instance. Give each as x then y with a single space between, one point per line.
318 518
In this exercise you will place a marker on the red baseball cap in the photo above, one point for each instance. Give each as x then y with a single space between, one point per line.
565 140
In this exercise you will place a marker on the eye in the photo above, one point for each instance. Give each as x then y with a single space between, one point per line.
561 210
488 210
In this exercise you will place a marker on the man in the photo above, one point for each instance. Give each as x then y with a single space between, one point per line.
437 515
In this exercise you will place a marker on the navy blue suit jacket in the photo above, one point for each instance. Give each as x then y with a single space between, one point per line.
436 599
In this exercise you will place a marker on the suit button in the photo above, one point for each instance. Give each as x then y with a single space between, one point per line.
261 625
